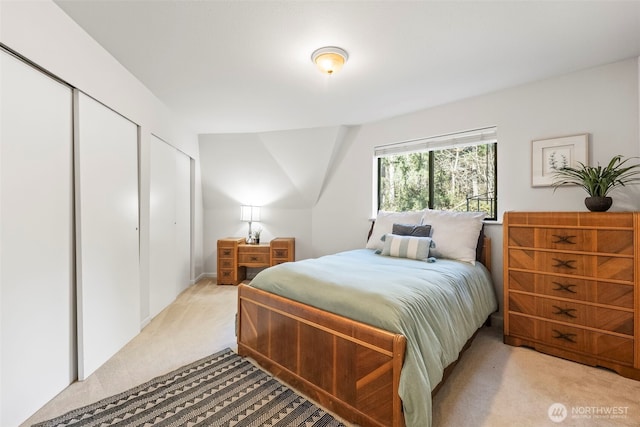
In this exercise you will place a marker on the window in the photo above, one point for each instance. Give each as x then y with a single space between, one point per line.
452 172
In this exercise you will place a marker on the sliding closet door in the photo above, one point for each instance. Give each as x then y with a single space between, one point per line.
37 331
107 232
183 219
170 230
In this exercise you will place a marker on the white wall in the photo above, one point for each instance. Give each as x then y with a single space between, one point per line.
284 172
45 35
601 101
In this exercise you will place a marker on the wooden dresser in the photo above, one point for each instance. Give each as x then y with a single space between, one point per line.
570 286
234 256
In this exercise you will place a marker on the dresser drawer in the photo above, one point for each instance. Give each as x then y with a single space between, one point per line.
575 339
603 318
573 239
600 267
614 294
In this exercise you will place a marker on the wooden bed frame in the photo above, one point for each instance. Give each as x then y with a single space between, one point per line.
350 368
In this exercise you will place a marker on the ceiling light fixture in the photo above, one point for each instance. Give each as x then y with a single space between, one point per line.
329 59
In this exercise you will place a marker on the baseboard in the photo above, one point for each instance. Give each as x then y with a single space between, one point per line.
145 322
497 320
204 276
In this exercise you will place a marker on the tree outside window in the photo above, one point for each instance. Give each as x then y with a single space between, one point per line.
457 178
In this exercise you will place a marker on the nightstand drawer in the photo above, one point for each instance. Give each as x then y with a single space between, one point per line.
254 255
282 253
225 252
253 258
227 276
226 263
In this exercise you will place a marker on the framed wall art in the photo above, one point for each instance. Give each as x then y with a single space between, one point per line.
547 155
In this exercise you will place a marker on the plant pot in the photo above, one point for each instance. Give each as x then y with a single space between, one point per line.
598 204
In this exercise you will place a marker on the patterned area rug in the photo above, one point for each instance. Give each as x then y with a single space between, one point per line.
220 390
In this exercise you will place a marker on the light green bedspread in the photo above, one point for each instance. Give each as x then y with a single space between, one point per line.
436 306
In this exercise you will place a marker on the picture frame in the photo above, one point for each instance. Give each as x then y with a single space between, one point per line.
547 154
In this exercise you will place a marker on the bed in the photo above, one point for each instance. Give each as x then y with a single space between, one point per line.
377 357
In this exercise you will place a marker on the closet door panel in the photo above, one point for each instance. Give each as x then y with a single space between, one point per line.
36 239
107 232
170 231
163 268
183 219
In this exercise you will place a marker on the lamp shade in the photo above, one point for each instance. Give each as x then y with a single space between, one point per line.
249 213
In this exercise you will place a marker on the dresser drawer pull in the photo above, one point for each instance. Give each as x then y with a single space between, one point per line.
568 264
565 311
226 252
280 253
564 336
564 288
564 239
254 258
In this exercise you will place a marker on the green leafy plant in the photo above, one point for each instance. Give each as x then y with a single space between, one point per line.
598 181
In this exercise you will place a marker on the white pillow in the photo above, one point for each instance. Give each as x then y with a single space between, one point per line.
406 246
384 224
454 233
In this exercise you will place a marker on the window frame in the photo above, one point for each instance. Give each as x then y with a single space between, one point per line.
483 136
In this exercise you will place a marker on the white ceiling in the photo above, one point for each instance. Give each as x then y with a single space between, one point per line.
244 66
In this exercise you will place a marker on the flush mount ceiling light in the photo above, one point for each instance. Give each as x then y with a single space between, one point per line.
329 59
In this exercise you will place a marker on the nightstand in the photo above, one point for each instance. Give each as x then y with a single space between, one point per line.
234 256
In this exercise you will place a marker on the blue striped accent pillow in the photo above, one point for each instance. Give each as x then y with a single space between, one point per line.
407 246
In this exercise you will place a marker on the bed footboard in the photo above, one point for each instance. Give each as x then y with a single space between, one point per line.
350 368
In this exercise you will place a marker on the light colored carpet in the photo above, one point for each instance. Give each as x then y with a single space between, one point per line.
493 385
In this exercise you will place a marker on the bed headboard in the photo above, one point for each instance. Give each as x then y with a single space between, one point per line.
485 253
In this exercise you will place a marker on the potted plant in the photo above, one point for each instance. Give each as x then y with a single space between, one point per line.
598 181
256 234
